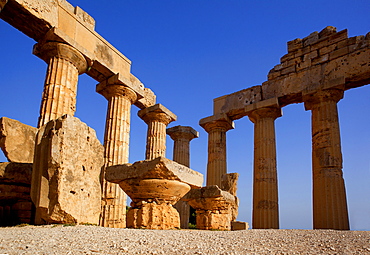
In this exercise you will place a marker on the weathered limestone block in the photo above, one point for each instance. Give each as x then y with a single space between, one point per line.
214 207
154 186
15 200
17 140
65 179
239 225
233 104
229 183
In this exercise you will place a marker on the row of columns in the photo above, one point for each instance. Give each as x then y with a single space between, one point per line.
329 195
65 64
329 200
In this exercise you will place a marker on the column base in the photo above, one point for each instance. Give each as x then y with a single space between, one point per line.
153 216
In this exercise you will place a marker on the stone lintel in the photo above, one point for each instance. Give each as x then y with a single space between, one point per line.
215 120
182 131
233 104
106 60
159 168
47 50
268 103
335 83
145 114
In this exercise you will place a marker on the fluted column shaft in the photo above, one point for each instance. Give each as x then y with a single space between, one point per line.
116 144
217 165
181 154
181 149
265 185
60 89
329 194
157 118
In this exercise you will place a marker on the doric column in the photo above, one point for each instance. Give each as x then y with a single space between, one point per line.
65 63
2 4
181 154
157 117
265 185
216 129
181 149
116 150
329 194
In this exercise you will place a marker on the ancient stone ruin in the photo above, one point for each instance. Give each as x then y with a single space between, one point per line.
58 172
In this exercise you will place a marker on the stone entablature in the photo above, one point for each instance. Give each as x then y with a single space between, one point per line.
59 21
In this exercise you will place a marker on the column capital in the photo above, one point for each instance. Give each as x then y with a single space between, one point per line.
219 121
48 50
111 90
332 95
182 132
2 4
265 112
157 113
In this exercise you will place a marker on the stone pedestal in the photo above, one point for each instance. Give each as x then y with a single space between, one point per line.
66 173
181 154
329 194
216 129
214 207
64 65
157 117
154 187
116 150
265 186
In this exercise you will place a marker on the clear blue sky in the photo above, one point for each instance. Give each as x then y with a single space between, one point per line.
190 52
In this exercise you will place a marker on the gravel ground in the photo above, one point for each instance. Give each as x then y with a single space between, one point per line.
58 239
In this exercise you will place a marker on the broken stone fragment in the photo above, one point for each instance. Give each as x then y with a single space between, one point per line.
209 198
66 173
215 208
229 183
17 140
